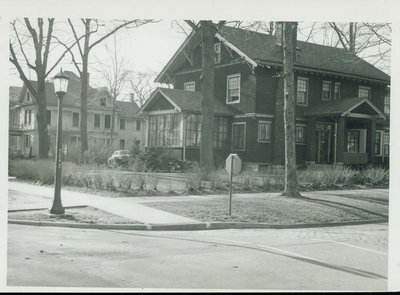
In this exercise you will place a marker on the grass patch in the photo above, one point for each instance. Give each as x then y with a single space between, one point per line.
87 215
275 209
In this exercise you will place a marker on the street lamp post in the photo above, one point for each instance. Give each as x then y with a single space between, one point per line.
60 87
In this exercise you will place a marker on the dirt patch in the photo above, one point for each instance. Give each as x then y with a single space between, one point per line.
87 215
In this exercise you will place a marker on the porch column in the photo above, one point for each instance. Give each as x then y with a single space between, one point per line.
340 139
310 140
370 148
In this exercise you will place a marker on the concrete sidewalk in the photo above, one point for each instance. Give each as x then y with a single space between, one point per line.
125 207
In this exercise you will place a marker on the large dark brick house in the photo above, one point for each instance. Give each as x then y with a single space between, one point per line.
342 103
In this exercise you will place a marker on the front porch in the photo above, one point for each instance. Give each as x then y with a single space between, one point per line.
345 132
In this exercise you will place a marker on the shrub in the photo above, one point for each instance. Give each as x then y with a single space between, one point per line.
140 181
97 181
108 181
153 183
217 182
96 156
373 176
41 171
125 183
194 180
155 159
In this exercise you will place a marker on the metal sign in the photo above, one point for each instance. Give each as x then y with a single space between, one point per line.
233 164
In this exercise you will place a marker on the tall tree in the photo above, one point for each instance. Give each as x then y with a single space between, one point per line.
41 41
141 87
85 47
289 52
207 30
115 76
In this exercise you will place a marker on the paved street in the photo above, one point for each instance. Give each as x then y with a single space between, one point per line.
337 258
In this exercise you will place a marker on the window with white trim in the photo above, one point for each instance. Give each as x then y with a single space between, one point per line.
96 122
189 86
217 53
326 90
302 91
264 131
386 142
300 133
122 124
28 96
107 121
239 136
364 91
233 88
378 143
48 117
386 106
336 91
353 141
75 119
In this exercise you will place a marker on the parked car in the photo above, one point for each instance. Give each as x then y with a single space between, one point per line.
119 158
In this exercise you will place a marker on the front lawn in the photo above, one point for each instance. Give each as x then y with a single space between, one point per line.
274 209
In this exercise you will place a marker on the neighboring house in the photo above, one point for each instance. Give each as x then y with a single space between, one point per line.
342 102
23 127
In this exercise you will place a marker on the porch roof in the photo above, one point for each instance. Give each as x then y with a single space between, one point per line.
185 101
344 107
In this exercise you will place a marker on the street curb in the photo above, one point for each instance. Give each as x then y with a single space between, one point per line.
47 208
194 226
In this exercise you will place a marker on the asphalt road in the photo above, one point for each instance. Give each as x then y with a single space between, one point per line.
339 258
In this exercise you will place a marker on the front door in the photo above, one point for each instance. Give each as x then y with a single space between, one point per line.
324 142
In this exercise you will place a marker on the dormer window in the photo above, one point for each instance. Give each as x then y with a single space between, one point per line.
102 102
364 91
28 96
217 53
189 86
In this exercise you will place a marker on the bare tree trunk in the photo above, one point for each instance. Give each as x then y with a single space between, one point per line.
289 49
84 89
112 122
278 151
41 120
207 30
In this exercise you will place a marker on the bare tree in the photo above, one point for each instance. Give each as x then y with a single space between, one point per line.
115 76
141 87
289 51
85 46
20 47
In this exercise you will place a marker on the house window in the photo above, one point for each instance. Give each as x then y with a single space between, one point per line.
107 121
137 125
386 141
102 102
28 96
217 53
353 141
378 143
336 92
300 134
386 107
48 117
164 130
189 86
233 89
238 136
25 116
96 121
122 124
29 116
364 91
193 129
302 91
326 90
75 119
27 140
264 131
220 132
122 144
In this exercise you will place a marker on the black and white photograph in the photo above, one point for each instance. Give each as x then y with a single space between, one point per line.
199 150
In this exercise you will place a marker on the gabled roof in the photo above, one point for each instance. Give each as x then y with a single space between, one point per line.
186 101
342 107
127 109
72 97
261 49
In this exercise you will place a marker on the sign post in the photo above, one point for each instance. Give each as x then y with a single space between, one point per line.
233 165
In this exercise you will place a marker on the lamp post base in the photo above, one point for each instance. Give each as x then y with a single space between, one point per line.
57 210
